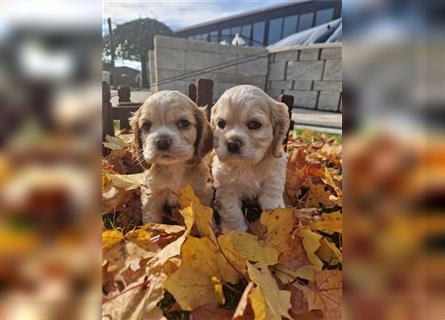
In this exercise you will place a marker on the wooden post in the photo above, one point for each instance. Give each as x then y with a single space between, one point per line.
122 114
124 94
204 94
192 92
289 101
107 115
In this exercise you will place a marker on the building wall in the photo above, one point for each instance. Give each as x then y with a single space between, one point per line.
174 57
312 74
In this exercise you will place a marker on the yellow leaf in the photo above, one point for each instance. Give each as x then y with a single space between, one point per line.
249 248
110 238
192 283
268 301
259 305
311 243
189 218
279 224
326 294
231 253
203 215
128 181
329 252
329 223
190 288
187 197
219 290
329 180
105 181
208 259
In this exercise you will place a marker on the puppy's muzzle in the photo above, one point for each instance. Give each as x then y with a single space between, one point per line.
234 146
163 143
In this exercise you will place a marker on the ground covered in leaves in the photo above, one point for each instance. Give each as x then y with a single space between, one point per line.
288 265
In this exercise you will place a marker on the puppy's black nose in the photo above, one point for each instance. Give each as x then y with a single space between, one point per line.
163 143
234 145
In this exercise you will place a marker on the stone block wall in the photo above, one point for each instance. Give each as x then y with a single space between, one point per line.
312 74
230 66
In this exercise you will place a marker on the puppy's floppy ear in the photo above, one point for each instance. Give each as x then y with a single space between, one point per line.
212 113
136 143
204 139
280 123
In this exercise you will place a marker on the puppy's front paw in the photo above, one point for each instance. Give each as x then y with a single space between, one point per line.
233 224
151 217
267 202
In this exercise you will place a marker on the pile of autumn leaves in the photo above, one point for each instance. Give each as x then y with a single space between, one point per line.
287 266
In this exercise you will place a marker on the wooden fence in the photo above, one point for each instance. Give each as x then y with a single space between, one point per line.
200 92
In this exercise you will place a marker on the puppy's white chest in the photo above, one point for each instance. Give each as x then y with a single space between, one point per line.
242 181
166 178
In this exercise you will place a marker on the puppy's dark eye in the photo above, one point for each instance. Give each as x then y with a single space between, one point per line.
221 124
183 123
146 126
254 125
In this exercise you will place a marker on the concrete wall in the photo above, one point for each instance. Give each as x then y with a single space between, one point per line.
312 74
175 56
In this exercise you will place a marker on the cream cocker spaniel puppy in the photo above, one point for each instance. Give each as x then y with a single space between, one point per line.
171 138
248 131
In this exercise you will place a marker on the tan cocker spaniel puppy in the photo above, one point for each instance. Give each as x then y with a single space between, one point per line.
250 163
171 138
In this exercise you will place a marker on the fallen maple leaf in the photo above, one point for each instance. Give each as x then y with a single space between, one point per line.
138 301
329 252
128 181
203 215
311 243
193 284
229 251
114 143
326 294
287 275
329 223
318 196
190 288
279 224
142 238
210 311
249 248
298 302
268 301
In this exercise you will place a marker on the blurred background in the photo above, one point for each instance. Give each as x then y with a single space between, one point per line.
394 159
50 125
51 58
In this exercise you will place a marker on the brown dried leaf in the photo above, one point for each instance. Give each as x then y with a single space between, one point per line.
326 294
210 311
